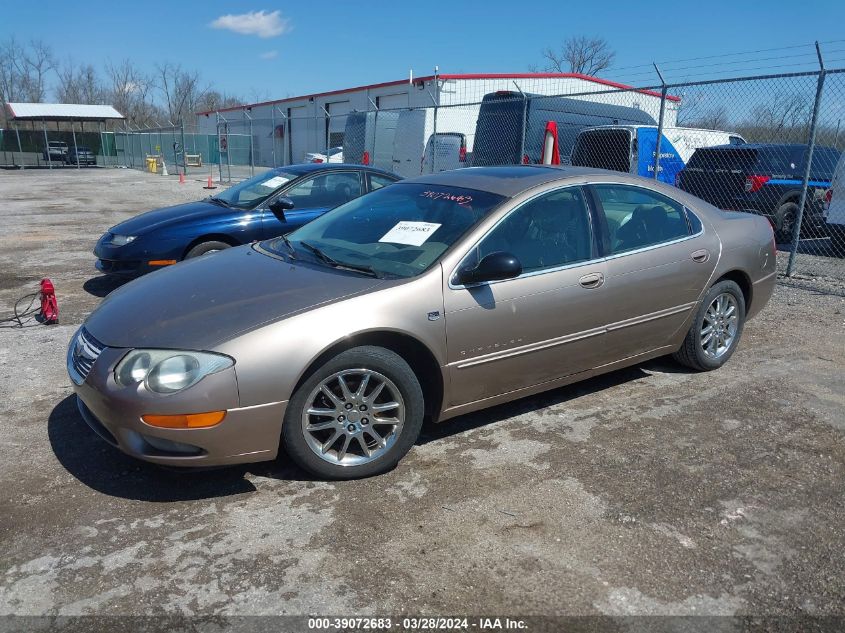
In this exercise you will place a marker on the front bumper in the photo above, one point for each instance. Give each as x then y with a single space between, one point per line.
132 260
247 434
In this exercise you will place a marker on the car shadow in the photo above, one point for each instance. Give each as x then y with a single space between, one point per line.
101 285
105 469
455 426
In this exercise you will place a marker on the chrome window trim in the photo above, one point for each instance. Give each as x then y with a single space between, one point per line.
659 244
454 286
654 246
542 271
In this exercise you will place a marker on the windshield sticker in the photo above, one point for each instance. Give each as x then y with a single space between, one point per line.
411 233
275 182
444 195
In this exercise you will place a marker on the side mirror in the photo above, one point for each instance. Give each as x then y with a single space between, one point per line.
280 205
492 267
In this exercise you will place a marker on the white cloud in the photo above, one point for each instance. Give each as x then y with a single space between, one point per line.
260 23
269 55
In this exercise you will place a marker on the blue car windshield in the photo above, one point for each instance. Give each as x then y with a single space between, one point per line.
395 231
252 192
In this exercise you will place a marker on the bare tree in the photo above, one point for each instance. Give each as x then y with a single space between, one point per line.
182 90
79 84
24 70
38 62
129 92
697 110
585 55
10 73
214 100
784 111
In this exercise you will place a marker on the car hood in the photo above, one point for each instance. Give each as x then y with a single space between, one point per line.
150 220
203 302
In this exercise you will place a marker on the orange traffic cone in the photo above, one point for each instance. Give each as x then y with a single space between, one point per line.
210 183
181 178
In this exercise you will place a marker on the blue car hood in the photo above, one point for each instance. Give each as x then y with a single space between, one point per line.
151 220
208 300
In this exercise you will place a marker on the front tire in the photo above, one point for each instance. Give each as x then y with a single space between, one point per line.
204 248
355 416
716 329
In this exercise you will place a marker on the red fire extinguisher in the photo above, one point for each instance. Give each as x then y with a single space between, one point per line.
49 305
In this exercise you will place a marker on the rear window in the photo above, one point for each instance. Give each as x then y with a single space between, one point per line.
603 149
780 160
824 162
733 159
498 133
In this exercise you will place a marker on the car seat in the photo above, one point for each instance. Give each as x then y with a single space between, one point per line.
343 192
647 226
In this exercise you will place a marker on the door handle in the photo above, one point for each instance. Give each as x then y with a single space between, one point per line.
700 256
593 280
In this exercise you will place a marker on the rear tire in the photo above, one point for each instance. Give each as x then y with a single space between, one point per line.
356 432
786 218
204 248
722 316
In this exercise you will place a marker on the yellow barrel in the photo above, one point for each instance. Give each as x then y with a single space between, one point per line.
152 164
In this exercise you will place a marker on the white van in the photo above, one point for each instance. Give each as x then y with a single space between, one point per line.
631 148
413 148
834 208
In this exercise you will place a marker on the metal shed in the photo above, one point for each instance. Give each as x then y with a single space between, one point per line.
58 113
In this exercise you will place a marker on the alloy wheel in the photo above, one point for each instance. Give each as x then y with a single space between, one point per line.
719 327
353 417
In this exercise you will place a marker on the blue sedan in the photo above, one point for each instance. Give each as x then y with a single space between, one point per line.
271 204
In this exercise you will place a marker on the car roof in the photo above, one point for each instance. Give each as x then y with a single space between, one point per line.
509 180
307 168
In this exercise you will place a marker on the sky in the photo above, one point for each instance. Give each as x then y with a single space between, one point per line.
264 49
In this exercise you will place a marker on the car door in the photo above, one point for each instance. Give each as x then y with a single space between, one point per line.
506 335
311 197
659 259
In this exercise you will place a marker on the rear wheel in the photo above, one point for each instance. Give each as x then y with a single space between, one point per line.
204 248
716 329
786 219
355 416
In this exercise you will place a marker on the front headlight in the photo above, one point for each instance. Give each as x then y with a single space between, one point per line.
121 240
168 371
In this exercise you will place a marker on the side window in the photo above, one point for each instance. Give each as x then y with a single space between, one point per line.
377 182
326 190
549 231
638 217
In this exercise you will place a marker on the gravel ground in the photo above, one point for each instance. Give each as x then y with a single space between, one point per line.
651 490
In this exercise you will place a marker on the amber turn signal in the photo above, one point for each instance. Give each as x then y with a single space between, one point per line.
185 420
161 262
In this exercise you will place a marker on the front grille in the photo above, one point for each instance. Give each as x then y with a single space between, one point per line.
86 350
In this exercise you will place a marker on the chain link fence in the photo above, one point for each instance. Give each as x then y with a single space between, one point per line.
768 145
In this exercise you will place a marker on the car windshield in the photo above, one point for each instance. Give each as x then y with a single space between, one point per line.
252 192
396 231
